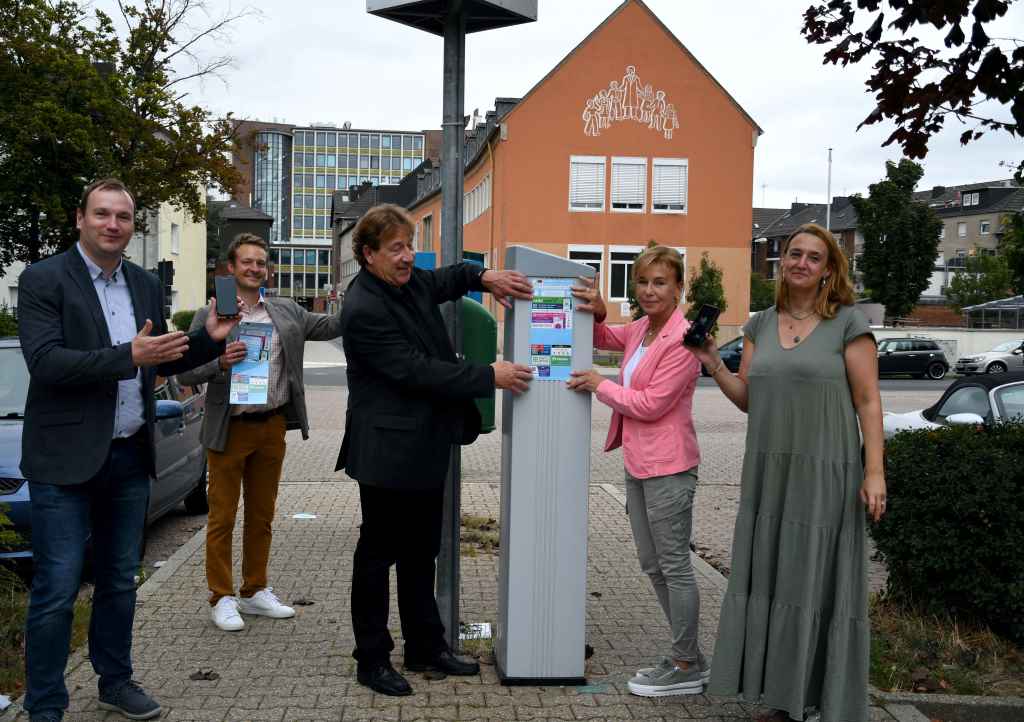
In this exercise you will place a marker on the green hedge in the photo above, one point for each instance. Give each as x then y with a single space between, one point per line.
953 537
8 322
183 319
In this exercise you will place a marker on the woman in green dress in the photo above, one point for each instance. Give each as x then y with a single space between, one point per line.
793 633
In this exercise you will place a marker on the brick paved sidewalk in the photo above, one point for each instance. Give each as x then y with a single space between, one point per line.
301 669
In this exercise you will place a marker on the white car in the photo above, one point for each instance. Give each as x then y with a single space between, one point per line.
972 400
1007 356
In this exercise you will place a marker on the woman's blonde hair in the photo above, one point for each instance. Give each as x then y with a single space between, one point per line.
660 254
837 290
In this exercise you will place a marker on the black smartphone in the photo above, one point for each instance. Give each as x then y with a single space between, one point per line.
701 326
227 295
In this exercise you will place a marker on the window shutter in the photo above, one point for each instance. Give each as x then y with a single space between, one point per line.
586 183
629 183
670 186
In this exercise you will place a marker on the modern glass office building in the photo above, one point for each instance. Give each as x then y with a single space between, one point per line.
291 173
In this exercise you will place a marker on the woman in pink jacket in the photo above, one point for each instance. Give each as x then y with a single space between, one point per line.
652 421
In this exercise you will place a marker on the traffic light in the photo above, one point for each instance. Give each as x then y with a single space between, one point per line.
165 271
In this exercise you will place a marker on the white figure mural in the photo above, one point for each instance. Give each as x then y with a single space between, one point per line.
629 99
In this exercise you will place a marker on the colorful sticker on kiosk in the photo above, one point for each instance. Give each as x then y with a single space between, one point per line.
551 328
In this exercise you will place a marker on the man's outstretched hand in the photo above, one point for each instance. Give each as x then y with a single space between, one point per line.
503 284
514 377
218 327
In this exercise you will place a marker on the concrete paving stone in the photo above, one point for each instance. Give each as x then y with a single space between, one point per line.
614 711
563 711
243 714
193 715
292 714
354 713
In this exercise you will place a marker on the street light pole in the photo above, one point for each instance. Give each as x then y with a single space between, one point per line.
828 194
452 172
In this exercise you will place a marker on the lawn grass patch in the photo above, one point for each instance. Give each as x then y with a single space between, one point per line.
14 597
914 651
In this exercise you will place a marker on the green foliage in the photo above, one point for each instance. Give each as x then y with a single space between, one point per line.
1011 246
950 539
901 239
705 286
762 292
8 322
634 306
81 99
985 278
972 75
182 320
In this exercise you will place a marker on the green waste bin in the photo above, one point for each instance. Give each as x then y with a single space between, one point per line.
480 345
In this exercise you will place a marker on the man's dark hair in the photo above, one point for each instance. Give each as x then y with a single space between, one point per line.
104 184
245 239
379 222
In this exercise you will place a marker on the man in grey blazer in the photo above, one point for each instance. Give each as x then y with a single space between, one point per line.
93 336
245 443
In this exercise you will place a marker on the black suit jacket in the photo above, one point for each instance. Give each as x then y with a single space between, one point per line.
409 397
74 369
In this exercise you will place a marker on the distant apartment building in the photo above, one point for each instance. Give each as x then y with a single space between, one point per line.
291 173
972 217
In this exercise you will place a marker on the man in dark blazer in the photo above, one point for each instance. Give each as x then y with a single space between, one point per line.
93 337
409 399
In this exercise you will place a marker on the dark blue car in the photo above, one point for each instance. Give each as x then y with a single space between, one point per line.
731 353
180 458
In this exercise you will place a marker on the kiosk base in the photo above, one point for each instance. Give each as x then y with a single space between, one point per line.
537 681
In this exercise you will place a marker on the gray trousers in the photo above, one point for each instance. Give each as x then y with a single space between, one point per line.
660 511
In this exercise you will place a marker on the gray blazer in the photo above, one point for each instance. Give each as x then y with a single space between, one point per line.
295 325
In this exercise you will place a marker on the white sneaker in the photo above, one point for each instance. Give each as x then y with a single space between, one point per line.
265 604
225 615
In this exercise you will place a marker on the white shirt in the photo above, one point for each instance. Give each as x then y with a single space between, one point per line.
634 360
116 301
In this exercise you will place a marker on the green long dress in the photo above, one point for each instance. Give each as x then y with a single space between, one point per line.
794 631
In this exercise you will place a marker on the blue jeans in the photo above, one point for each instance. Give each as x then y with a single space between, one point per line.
111 509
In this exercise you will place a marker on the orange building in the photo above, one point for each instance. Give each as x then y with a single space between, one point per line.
627 140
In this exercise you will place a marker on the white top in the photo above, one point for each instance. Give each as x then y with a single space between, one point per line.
627 372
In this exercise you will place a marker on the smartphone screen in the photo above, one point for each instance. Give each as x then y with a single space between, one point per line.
227 295
702 325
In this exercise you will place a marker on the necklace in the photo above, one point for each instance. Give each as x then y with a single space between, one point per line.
797 338
652 333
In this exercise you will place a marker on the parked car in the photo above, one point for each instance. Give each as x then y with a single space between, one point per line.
919 357
731 353
971 400
180 458
1007 356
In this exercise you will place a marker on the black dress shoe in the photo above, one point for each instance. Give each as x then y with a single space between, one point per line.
446 662
383 678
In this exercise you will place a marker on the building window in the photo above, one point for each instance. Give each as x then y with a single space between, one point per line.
961 230
593 256
942 232
175 238
586 183
621 269
984 227
286 256
670 181
971 199
321 139
629 184
428 233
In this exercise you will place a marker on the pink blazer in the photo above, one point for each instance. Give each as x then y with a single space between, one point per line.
652 420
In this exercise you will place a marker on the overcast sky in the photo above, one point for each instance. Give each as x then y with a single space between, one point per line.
314 61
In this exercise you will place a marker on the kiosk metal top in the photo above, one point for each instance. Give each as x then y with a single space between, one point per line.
480 15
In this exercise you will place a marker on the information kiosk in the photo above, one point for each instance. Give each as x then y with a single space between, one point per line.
545 474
